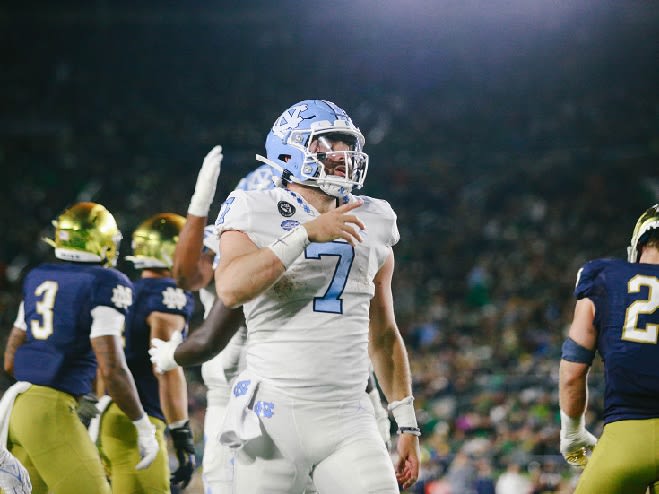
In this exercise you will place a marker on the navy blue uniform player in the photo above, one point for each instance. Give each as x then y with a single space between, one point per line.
69 322
616 315
159 309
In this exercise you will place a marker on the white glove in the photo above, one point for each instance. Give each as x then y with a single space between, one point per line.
381 417
146 442
204 189
14 478
162 352
576 442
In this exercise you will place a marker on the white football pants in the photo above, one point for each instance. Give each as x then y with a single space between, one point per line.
218 459
337 443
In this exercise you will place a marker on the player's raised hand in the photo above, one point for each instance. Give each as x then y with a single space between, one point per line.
204 190
336 224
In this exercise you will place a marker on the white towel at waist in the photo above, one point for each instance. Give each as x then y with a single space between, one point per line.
240 423
6 405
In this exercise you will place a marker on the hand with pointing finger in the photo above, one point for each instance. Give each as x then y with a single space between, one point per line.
336 224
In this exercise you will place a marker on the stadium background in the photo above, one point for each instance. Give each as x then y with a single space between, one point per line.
514 139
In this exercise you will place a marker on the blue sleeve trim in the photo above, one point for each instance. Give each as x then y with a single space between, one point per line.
574 352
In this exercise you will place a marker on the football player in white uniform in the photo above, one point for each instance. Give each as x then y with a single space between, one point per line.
194 264
314 281
311 265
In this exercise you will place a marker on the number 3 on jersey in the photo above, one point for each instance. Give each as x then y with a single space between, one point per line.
47 290
331 301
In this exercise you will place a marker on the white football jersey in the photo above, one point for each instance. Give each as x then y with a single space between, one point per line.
308 333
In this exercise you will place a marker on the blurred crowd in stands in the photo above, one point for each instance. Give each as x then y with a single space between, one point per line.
503 190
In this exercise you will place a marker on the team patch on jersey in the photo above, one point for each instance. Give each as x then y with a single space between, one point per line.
286 209
174 298
122 296
289 224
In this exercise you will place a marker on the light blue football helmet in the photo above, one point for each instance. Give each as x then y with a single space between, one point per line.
287 147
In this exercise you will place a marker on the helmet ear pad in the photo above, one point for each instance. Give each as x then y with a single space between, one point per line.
86 232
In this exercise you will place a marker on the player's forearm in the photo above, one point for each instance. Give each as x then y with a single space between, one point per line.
391 366
15 340
211 337
113 371
573 388
186 270
121 387
173 395
247 276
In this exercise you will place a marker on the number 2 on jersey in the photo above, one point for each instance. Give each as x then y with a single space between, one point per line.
332 301
630 331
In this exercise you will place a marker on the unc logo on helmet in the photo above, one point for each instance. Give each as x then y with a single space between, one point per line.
307 136
289 120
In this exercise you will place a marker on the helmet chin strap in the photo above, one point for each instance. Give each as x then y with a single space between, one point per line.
334 190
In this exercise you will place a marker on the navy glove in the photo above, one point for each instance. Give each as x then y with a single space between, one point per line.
86 409
185 453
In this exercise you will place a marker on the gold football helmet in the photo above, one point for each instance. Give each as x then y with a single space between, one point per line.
86 232
649 220
154 241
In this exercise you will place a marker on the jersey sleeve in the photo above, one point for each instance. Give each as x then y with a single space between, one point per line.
237 213
393 232
386 220
106 321
211 240
112 289
587 276
234 213
20 318
171 300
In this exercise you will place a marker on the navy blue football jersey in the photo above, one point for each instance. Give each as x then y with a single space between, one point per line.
58 300
626 298
151 295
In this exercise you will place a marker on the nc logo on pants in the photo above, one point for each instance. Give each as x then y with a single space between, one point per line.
264 409
241 387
